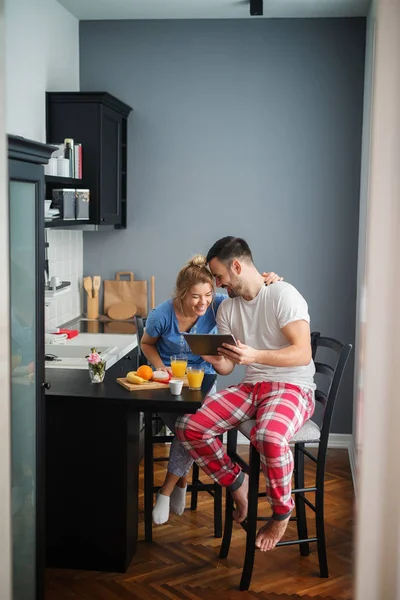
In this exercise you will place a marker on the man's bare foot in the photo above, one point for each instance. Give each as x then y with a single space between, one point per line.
241 502
270 534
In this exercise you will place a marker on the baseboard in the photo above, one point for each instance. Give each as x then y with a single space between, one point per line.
353 465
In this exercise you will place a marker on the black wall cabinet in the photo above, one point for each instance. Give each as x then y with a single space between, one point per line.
99 122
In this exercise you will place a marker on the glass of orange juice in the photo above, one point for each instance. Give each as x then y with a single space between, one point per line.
195 377
178 365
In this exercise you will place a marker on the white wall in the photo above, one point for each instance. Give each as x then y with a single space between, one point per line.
5 434
42 54
378 510
65 262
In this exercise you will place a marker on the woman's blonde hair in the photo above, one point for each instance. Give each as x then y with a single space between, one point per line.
193 272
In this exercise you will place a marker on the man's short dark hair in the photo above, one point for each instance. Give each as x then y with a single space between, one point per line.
228 248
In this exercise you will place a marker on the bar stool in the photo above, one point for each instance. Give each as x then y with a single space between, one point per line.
328 379
196 486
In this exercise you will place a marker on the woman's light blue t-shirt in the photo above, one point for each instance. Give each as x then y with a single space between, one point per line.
162 324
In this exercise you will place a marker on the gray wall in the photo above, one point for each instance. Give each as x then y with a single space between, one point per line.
250 128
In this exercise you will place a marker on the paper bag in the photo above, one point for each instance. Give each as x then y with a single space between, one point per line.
126 290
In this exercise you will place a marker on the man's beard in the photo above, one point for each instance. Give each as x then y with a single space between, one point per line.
236 288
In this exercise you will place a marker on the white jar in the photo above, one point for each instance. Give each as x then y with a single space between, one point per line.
63 167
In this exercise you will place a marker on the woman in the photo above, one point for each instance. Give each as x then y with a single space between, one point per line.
192 310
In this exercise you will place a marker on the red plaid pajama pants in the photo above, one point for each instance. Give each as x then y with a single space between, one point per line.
280 409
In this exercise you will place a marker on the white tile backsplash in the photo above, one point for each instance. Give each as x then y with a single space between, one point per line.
66 262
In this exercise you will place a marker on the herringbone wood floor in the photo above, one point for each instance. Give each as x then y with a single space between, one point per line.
183 563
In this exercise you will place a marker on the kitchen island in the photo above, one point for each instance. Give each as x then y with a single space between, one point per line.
92 462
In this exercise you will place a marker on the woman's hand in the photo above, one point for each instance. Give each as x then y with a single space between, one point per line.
271 278
163 368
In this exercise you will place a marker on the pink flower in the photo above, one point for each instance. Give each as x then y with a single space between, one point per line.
94 358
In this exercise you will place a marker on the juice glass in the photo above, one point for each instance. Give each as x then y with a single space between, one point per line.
178 365
195 377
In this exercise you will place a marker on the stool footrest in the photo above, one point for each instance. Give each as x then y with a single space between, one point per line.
293 542
200 487
162 439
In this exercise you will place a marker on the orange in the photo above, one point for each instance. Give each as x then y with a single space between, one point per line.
145 372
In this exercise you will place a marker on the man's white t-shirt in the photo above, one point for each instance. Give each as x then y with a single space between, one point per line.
258 323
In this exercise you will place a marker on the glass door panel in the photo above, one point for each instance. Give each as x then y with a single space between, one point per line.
23 385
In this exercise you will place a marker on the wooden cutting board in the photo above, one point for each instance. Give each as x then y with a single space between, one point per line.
121 311
151 385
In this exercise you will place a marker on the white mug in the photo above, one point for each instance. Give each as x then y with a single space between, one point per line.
176 386
55 282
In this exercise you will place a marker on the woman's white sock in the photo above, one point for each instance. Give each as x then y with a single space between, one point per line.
178 500
161 509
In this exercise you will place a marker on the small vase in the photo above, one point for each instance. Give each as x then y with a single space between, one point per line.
97 372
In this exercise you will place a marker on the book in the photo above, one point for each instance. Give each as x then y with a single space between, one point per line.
78 161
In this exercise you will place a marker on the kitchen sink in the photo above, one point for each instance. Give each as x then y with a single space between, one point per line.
73 356
63 351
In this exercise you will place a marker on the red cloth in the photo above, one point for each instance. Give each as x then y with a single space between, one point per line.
71 333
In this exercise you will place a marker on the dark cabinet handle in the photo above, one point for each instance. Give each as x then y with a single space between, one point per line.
46 385
128 357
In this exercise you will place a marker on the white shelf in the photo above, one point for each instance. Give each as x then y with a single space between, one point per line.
50 294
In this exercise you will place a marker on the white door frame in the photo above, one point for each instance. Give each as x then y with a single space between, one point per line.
5 432
378 481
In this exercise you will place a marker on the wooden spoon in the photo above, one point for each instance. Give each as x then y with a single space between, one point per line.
96 285
87 284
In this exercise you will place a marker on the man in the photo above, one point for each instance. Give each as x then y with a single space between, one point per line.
271 326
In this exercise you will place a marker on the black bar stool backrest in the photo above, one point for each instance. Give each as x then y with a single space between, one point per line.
139 332
329 373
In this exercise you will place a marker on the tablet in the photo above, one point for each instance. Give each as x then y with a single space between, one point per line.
203 344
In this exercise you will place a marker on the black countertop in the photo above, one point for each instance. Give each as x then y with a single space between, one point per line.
102 325
75 383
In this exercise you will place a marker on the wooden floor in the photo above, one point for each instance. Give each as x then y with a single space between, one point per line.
183 563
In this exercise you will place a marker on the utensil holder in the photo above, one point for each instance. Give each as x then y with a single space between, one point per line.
93 327
92 307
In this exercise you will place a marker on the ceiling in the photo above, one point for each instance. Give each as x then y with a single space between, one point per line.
211 9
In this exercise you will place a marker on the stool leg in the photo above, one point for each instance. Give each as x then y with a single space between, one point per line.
195 483
319 518
217 510
299 499
254 478
148 476
218 507
226 540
